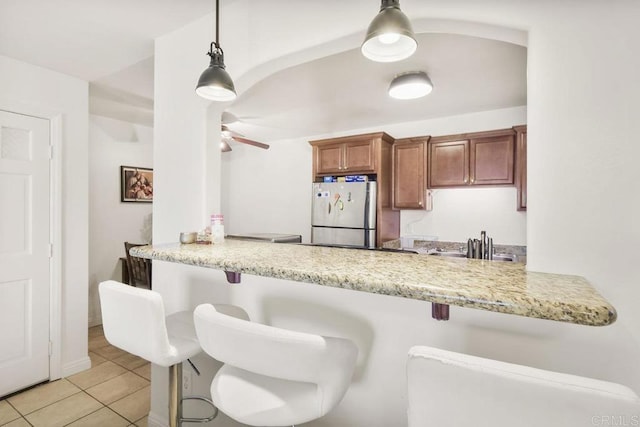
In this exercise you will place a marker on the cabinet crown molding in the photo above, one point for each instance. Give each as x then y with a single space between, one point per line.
374 135
473 135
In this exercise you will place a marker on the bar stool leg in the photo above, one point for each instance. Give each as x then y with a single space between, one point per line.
175 395
175 399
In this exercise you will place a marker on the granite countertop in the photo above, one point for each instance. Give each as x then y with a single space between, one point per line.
502 287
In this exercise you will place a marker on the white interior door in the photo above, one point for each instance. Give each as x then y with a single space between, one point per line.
24 251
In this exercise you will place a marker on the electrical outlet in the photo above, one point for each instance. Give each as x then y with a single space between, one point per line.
187 385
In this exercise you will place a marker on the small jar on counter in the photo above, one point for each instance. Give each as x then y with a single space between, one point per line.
217 228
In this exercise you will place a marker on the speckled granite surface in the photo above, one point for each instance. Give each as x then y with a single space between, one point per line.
496 286
519 251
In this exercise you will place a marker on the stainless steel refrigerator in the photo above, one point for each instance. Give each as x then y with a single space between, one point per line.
344 213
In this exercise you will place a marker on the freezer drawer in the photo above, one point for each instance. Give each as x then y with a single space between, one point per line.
343 236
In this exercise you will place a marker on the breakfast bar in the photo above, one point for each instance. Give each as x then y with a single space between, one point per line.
486 285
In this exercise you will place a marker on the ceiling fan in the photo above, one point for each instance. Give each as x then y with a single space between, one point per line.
230 135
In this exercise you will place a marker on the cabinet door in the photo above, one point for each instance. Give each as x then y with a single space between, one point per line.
521 166
329 158
492 160
359 156
409 175
448 164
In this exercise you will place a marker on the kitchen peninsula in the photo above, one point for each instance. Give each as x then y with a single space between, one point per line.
495 286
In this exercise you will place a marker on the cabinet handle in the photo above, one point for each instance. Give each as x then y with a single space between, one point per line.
466 180
419 203
472 180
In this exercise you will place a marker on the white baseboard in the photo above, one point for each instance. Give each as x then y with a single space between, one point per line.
76 366
155 420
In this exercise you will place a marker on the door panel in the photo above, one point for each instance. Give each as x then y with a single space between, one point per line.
24 251
492 160
449 164
329 158
342 204
409 179
15 192
359 156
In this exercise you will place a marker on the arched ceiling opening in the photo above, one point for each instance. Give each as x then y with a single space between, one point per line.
330 89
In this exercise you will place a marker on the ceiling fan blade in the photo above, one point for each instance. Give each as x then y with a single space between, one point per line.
251 142
228 133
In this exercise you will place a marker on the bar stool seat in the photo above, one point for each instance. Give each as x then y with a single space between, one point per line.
452 389
134 321
273 376
271 398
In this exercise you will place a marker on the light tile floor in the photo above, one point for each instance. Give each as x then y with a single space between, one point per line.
114 392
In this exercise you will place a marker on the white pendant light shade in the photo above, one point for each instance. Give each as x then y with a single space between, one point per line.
389 36
411 85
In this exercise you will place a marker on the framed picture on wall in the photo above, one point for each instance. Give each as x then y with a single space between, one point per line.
136 184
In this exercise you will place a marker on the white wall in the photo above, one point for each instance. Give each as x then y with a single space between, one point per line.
460 214
36 91
186 159
582 103
268 191
114 143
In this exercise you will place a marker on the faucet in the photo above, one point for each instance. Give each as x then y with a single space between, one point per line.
480 249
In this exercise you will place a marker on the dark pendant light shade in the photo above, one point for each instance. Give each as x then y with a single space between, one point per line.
215 83
389 37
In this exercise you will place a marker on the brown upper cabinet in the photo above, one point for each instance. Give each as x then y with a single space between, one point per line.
481 158
347 155
521 166
449 162
410 173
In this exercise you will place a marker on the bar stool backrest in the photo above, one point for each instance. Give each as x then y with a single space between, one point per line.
134 320
453 389
279 353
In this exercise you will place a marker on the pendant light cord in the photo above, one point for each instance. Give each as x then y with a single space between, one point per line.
218 49
217 21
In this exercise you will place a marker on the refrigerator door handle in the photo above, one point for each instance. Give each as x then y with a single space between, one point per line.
367 207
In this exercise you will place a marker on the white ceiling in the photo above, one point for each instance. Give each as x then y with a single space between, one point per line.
110 44
90 39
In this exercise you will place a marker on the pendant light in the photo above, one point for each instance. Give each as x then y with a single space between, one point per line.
215 83
389 36
411 85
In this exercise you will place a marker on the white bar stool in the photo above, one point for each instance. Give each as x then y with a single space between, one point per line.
453 389
273 376
134 320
